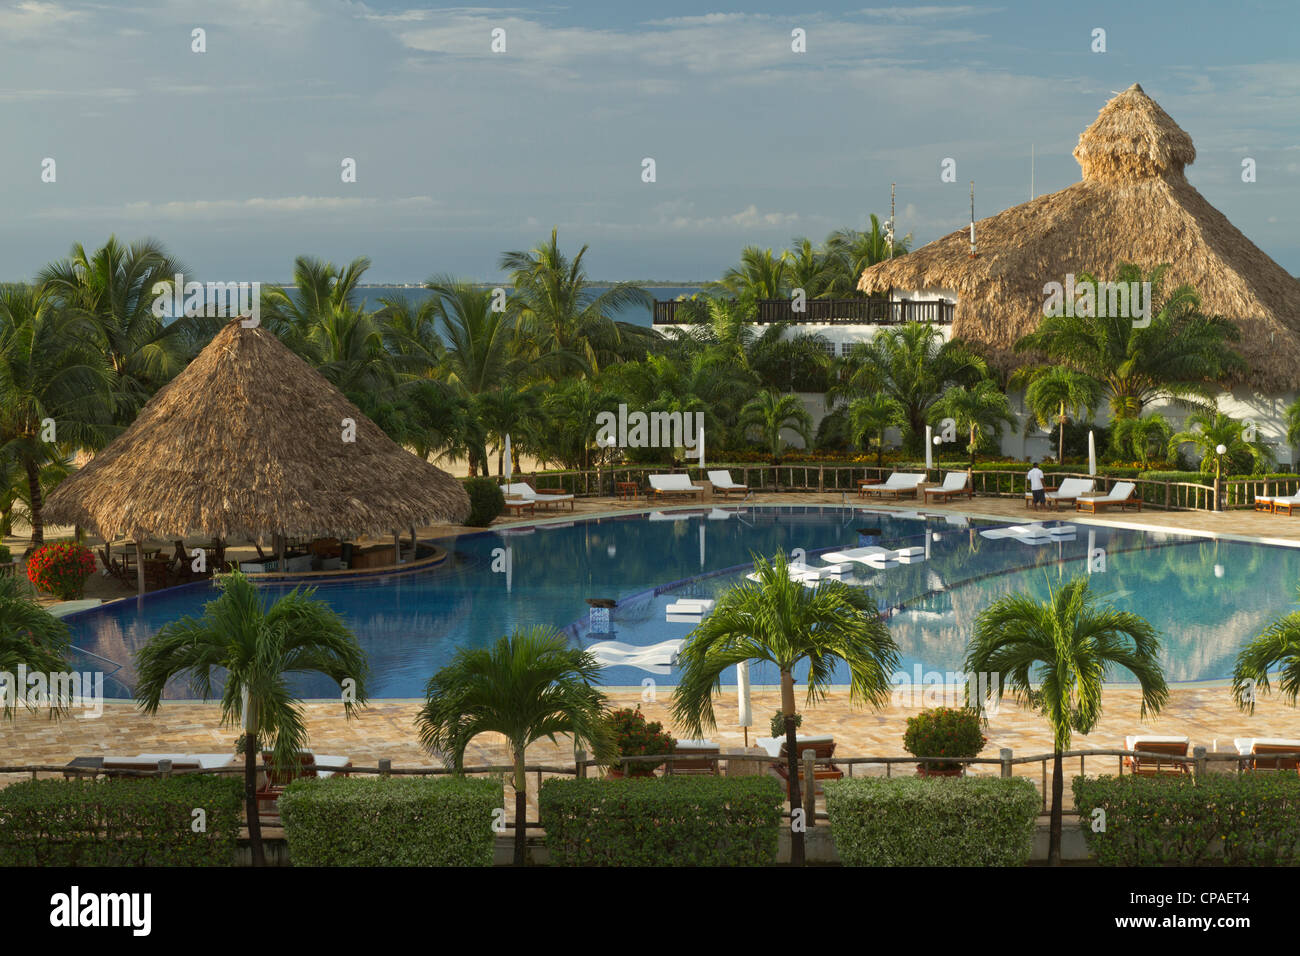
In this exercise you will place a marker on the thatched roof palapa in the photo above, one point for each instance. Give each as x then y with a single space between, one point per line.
249 440
1134 204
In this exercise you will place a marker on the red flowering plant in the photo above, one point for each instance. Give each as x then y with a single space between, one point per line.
944 732
61 568
637 737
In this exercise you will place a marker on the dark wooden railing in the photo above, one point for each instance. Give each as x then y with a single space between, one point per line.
820 312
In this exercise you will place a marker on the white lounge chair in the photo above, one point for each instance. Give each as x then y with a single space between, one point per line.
688 610
544 498
1266 749
721 481
655 658
896 485
1123 494
674 485
772 745
954 483
860 555
1275 503
1150 743
1069 490
205 761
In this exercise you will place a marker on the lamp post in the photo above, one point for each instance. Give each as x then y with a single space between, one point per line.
1219 452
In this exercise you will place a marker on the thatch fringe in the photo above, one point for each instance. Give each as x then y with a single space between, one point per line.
249 440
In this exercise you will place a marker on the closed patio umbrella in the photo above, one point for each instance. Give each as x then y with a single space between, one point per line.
1092 453
509 465
745 718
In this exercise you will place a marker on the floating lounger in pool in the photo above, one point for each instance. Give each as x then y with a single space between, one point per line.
688 610
1062 531
860 555
655 658
910 552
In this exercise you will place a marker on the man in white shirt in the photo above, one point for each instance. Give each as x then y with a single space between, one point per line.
1035 479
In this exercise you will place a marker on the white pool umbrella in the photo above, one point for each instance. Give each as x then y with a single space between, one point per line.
700 449
746 717
510 465
929 448
1092 453
701 545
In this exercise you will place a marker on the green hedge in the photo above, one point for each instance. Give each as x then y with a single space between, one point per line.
662 821
939 821
1247 820
486 501
403 821
121 822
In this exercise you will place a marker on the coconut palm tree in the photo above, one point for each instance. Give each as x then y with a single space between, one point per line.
32 638
770 413
980 411
1142 437
55 392
1054 656
116 288
761 274
780 621
560 314
571 411
913 365
851 251
1210 429
530 685
252 649
1276 649
869 417
320 289
512 410
1059 394
810 269
1180 355
797 362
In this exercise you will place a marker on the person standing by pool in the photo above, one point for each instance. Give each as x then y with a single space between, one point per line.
1035 479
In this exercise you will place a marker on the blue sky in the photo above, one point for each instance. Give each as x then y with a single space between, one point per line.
232 157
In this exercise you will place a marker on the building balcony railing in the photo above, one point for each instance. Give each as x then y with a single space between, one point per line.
820 312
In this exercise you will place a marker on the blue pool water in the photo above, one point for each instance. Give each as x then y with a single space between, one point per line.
1206 597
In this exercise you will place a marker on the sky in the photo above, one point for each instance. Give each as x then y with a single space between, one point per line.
233 157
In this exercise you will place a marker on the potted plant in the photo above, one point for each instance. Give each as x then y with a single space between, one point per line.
636 737
61 568
778 724
943 732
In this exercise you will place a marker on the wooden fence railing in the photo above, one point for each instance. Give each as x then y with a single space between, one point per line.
1197 764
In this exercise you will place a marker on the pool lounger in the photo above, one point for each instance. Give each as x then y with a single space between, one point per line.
688 610
655 658
859 555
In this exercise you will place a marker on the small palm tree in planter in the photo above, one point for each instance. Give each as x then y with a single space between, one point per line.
252 648
943 732
531 684
636 737
1054 656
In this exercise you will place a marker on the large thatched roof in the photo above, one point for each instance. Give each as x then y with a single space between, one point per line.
1133 205
247 441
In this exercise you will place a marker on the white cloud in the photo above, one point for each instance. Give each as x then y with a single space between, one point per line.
239 208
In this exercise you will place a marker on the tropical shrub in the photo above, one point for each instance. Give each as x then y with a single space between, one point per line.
5 555
957 821
121 822
777 725
944 732
637 737
672 821
1252 819
376 821
486 501
61 568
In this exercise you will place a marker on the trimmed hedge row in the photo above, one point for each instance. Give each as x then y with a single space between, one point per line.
945 821
662 821
121 822
1216 819
403 821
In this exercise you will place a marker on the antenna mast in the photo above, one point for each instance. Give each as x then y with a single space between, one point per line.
972 219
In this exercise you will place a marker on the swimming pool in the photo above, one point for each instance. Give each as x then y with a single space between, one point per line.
1207 597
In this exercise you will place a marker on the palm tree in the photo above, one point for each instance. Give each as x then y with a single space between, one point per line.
760 275
1142 437
1210 429
530 685
561 314
1059 394
797 362
253 649
1180 355
115 288
321 289
512 410
480 352
30 637
54 389
572 410
770 413
780 621
810 269
852 251
1291 420
870 416
1277 649
913 365
1055 655
980 410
